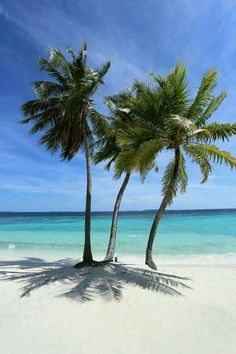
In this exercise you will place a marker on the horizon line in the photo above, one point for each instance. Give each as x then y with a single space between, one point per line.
121 211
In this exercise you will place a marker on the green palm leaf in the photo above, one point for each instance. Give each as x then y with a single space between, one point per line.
216 155
210 109
199 158
63 110
216 131
170 185
204 95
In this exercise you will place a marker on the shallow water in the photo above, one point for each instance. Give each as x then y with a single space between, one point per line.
180 233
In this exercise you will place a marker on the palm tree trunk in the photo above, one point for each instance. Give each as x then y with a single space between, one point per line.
112 239
87 255
165 201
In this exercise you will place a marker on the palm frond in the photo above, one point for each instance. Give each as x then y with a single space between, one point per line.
103 70
200 159
52 71
211 108
171 184
216 131
46 89
204 95
125 162
133 135
174 90
119 104
146 154
51 138
216 155
107 152
58 60
99 122
33 107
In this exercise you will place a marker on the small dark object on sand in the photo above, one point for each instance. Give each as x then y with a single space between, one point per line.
116 259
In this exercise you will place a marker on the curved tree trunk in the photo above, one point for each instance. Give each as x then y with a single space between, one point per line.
87 255
112 239
165 201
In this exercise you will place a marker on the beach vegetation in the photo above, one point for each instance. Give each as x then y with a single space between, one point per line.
168 119
61 112
108 150
161 117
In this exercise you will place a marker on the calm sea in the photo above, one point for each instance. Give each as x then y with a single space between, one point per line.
181 233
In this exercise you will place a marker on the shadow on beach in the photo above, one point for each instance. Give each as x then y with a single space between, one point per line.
85 284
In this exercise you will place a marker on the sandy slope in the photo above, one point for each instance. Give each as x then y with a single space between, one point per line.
142 321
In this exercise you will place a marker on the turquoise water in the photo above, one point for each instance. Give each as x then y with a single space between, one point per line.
180 233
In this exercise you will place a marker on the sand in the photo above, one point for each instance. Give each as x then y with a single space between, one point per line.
117 311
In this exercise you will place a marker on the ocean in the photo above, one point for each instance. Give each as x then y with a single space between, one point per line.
186 236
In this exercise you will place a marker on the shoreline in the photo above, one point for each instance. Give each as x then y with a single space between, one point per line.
162 260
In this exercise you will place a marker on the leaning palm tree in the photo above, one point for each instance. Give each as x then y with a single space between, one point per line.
61 111
108 151
169 120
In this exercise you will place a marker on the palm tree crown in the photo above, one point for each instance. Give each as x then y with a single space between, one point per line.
62 107
167 119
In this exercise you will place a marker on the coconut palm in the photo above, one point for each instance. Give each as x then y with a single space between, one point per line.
61 111
169 120
109 151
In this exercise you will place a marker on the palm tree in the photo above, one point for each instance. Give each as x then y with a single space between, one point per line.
109 150
169 120
61 111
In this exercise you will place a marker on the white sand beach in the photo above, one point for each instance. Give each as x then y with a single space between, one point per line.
116 310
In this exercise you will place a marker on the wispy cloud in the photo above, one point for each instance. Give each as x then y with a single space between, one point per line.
3 12
48 24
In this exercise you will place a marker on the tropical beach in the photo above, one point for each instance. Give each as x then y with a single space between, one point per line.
52 308
117 177
48 320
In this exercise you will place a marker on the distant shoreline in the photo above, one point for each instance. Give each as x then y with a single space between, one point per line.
123 212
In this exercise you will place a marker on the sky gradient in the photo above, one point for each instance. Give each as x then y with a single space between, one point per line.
137 36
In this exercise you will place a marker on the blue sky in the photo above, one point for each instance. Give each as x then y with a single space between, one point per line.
137 36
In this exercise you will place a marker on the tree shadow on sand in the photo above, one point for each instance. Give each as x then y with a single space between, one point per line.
106 280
